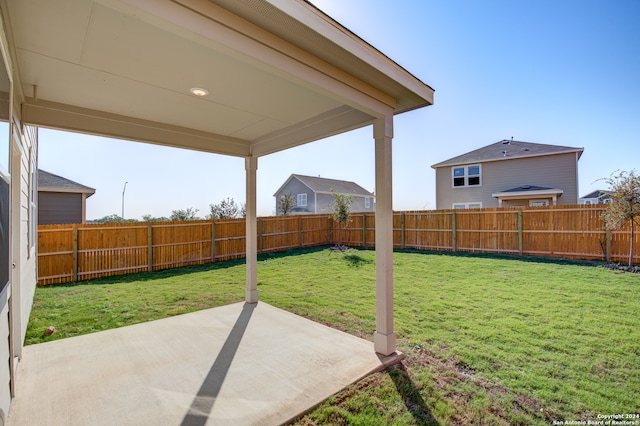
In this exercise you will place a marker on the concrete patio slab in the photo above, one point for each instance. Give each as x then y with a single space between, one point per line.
240 364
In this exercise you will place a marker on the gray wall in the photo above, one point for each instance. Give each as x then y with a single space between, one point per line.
324 201
296 187
553 171
59 207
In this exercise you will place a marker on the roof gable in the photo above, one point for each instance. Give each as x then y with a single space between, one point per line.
324 185
53 183
506 150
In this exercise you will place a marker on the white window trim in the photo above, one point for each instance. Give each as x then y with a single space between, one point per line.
546 203
466 205
466 176
301 200
367 202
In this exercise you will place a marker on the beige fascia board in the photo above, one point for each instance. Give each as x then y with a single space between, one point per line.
83 120
332 30
246 41
336 121
347 193
466 163
527 194
56 189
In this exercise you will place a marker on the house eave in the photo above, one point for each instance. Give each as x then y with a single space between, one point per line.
88 191
527 194
492 160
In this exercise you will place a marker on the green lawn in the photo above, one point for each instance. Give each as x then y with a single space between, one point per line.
489 339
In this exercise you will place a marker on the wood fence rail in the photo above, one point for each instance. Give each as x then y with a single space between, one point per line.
80 252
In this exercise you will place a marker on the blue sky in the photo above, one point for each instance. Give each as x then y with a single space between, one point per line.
561 72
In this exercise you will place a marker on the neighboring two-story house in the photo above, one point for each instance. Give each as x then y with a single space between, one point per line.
315 194
509 173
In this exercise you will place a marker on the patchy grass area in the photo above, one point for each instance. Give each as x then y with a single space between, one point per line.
489 340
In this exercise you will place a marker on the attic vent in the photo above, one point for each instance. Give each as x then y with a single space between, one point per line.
504 153
526 187
525 149
505 142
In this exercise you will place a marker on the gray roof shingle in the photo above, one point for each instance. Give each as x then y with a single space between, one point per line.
318 184
507 149
51 182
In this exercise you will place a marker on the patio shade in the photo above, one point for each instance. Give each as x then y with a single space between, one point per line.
276 73
242 78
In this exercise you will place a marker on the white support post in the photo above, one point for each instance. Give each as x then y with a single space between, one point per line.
384 336
251 293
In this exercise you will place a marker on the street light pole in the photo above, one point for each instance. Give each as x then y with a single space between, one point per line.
123 189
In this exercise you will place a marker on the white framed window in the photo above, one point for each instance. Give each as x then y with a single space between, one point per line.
367 202
464 176
538 203
474 205
301 200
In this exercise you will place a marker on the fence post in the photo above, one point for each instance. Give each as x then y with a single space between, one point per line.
300 230
260 229
454 233
607 237
75 255
364 230
150 247
213 241
520 232
330 230
402 229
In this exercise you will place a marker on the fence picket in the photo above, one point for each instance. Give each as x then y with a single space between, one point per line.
79 252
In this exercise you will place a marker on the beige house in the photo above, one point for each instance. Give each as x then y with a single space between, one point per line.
509 173
314 194
245 79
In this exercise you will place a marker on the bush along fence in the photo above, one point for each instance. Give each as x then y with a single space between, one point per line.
80 252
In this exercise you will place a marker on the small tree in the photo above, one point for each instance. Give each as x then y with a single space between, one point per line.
624 207
341 211
227 209
112 218
149 218
286 202
188 214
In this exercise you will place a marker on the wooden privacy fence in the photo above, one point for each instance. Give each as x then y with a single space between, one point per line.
80 252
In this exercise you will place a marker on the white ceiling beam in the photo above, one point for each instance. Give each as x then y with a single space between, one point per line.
331 123
82 120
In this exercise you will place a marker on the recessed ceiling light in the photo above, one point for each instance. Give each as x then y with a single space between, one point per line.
199 91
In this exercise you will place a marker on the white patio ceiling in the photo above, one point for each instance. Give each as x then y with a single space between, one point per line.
279 72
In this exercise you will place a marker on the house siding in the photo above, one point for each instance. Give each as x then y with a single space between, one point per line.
319 202
58 208
552 171
296 187
17 298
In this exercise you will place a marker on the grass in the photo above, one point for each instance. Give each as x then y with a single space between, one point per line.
488 339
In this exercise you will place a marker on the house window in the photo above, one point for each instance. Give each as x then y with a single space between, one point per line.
466 176
538 203
467 205
301 200
367 202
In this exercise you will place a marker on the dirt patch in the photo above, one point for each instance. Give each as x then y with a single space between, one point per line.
460 383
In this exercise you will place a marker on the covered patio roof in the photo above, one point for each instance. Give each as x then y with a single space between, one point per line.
242 78
278 73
